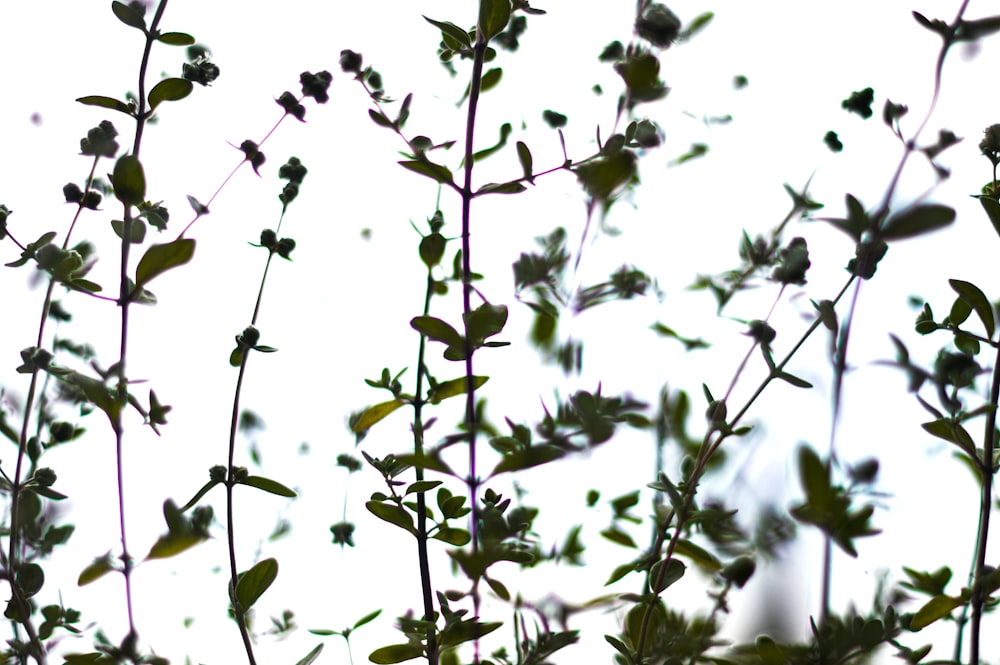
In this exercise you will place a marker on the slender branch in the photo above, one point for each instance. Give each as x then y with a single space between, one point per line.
470 386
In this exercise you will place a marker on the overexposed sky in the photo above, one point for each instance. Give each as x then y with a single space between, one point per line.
340 311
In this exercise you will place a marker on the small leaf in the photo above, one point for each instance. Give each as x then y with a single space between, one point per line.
379 118
160 258
452 30
491 79
453 388
512 187
674 571
268 485
30 578
397 653
619 537
106 102
311 656
176 38
129 180
936 608
794 380
699 556
173 543
128 16
368 618
137 232
393 514
254 582
422 486
524 156
437 330
169 90
972 295
200 493
527 458
96 570
430 169
493 18
375 413
917 221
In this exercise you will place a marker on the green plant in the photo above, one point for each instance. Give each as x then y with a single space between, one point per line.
474 506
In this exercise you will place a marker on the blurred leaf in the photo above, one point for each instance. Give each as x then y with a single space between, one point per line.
527 458
311 656
397 653
129 180
160 258
176 38
268 485
452 30
97 569
524 156
392 514
254 582
493 18
936 608
453 388
976 299
375 413
917 221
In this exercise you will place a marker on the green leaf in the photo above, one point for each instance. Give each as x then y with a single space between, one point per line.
917 221
527 458
493 18
490 79
129 180
992 208
96 570
137 232
456 537
397 653
30 578
160 258
430 169
813 474
254 582
422 486
453 388
106 102
268 485
375 413
619 537
169 90
176 39
513 187
311 656
392 514
971 294
368 618
128 16
953 432
452 30
794 380
200 493
173 543
620 572
699 556
379 118
674 570
524 156
936 608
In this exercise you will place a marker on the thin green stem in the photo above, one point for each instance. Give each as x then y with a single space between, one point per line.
239 612
418 448
475 86
985 509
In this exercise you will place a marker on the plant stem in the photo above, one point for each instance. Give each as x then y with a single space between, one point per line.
418 449
238 610
475 85
985 508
